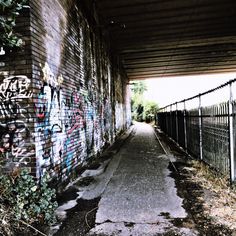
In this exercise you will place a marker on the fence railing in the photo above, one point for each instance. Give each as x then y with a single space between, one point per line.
206 132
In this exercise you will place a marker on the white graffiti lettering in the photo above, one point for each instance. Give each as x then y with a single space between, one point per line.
15 87
11 110
49 77
17 151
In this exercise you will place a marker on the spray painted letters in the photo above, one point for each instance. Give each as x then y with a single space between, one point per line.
14 116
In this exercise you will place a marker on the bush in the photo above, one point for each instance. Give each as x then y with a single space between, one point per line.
22 200
9 10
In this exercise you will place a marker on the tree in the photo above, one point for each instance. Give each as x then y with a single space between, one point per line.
139 87
142 110
150 109
137 108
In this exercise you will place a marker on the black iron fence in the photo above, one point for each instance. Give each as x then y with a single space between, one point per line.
208 133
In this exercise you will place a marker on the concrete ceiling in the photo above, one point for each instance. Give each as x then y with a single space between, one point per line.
157 38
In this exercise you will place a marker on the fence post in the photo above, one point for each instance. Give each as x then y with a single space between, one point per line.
200 126
185 129
167 122
176 122
171 126
231 135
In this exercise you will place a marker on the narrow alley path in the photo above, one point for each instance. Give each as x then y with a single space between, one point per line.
135 189
140 198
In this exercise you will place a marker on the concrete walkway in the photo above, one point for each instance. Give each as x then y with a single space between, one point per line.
141 198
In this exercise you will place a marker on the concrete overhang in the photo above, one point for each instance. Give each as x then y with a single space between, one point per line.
159 38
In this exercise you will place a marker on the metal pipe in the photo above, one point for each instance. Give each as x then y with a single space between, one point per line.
204 93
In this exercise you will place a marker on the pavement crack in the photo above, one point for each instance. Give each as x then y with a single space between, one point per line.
129 224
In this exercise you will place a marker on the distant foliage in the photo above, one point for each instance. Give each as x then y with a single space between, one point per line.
9 10
150 108
22 200
139 88
142 110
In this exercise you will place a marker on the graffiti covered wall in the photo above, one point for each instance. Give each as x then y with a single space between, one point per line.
77 111
62 97
15 116
75 119
16 102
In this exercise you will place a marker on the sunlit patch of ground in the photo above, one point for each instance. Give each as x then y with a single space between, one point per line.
220 198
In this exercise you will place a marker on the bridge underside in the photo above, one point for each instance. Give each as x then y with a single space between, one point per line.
171 38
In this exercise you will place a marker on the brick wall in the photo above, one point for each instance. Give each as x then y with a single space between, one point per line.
16 103
75 94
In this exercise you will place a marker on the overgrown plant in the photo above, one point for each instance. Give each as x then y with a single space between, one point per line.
9 10
24 201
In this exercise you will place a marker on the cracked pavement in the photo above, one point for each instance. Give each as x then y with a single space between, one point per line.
135 189
141 197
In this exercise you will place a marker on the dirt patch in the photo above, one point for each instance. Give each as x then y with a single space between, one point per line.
69 194
85 181
169 233
199 194
95 165
194 204
80 219
219 197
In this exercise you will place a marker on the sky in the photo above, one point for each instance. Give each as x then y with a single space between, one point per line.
172 89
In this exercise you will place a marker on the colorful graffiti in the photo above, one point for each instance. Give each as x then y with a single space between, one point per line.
64 114
49 122
60 126
71 126
15 138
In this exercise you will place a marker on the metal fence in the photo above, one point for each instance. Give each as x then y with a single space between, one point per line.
207 133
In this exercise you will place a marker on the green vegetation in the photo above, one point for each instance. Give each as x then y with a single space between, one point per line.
142 110
9 10
24 202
